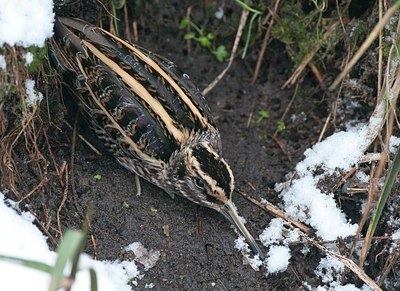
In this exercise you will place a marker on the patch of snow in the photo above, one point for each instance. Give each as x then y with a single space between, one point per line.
243 247
278 259
21 238
27 23
32 95
396 234
149 286
329 269
394 143
362 177
28 58
339 151
3 64
307 203
219 13
276 232
147 258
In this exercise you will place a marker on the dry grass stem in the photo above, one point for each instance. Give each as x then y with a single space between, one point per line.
265 42
308 58
242 24
367 43
347 262
275 211
92 147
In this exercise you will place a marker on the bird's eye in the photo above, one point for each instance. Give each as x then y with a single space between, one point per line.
199 182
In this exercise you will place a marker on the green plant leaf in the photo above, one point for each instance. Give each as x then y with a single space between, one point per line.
386 190
189 35
262 115
68 250
118 4
247 7
220 53
184 22
280 127
210 35
93 279
28 263
204 41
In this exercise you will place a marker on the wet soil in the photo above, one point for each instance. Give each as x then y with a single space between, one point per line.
198 253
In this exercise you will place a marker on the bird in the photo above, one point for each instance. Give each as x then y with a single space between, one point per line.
148 113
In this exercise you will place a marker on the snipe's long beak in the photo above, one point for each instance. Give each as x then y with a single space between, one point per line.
230 212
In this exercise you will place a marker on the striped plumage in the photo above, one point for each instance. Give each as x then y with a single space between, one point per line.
148 113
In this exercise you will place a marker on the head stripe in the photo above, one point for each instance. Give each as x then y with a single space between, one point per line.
217 171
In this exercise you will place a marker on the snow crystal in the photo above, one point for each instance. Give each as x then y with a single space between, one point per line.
329 269
306 202
277 233
394 143
28 58
32 96
339 151
149 286
30 23
3 64
362 177
278 259
147 258
243 247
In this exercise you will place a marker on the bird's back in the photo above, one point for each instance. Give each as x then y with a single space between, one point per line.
140 104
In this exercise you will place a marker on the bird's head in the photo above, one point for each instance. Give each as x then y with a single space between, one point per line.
200 174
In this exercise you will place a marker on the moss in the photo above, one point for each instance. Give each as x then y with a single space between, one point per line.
301 31
39 54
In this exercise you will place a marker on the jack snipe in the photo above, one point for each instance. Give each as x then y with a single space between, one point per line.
150 115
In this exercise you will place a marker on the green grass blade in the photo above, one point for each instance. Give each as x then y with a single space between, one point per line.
93 280
68 250
387 188
28 263
247 7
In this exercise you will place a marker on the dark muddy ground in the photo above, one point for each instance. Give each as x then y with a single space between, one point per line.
200 248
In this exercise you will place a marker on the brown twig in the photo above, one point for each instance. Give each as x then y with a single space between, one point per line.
367 43
65 197
243 18
307 58
347 262
92 147
264 43
188 30
288 106
275 211
126 19
37 187
282 146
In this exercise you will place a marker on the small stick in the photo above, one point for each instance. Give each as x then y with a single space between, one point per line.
281 146
37 187
65 196
307 58
269 207
126 19
264 44
328 119
367 43
347 262
243 18
288 106
84 140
